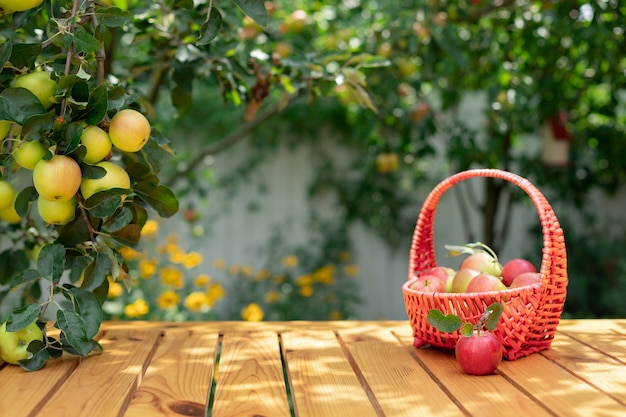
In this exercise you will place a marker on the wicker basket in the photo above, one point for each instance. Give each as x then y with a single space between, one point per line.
531 314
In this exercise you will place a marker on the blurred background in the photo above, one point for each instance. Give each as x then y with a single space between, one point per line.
306 143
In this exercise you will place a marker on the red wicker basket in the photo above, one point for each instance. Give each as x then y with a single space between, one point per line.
531 314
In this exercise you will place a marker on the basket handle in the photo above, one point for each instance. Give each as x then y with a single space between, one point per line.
554 260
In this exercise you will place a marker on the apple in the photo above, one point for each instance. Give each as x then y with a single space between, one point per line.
40 84
524 279
57 212
19 5
115 177
58 178
462 278
14 345
9 214
5 128
295 23
29 153
446 274
514 267
7 194
97 142
129 130
485 282
482 262
428 283
479 354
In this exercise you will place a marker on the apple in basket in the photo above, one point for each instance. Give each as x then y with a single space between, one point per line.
428 283
445 273
485 282
524 279
515 267
462 278
478 351
481 257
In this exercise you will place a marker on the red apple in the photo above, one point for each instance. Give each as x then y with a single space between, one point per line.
445 273
462 278
428 283
485 282
524 279
514 267
482 262
479 354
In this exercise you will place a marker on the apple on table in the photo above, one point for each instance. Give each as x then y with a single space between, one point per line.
14 345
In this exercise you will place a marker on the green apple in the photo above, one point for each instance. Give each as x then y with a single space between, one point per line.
58 178
129 130
57 212
29 153
97 143
9 214
115 177
14 345
7 194
19 5
5 127
40 84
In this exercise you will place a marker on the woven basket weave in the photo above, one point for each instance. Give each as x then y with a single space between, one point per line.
531 314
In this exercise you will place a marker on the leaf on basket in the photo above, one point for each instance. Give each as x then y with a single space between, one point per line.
445 323
492 315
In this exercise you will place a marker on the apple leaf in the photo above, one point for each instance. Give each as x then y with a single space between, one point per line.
74 233
38 126
40 356
159 197
5 52
73 327
467 330
24 276
92 172
210 28
23 200
88 306
96 272
129 235
24 54
118 221
492 315
106 207
113 16
255 9
70 140
51 261
22 317
18 105
55 349
448 323
97 106
84 42
79 92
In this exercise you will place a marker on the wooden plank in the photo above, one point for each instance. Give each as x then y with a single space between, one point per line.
178 379
603 372
322 380
556 388
250 381
398 382
103 384
489 395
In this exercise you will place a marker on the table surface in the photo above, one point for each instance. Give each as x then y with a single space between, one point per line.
317 369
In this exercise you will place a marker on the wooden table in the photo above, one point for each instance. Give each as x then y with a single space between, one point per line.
317 369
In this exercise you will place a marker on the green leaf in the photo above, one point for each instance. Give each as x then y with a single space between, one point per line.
467 330
73 327
38 126
105 204
130 235
54 348
89 308
96 272
25 276
80 91
121 219
77 266
97 106
51 261
18 105
5 52
22 317
448 323
71 139
25 54
23 200
210 28
113 16
92 172
75 232
39 356
84 42
159 197
255 9
492 315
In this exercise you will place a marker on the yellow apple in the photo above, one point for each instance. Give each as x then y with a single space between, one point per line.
29 153
97 142
129 130
14 345
115 177
5 127
58 178
56 212
9 214
40 84
7 194
19 5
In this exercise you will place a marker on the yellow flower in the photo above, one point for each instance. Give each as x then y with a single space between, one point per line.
306 291
137 308
234 270
325 274
172 276
246 270
290 261
351 270
201 280
147 268
149 229
219 264
252 312
278 279
128 254
262 275
177 256
115 290
272 297
167 299
192 259
336 315
304 280
215 292
196 301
